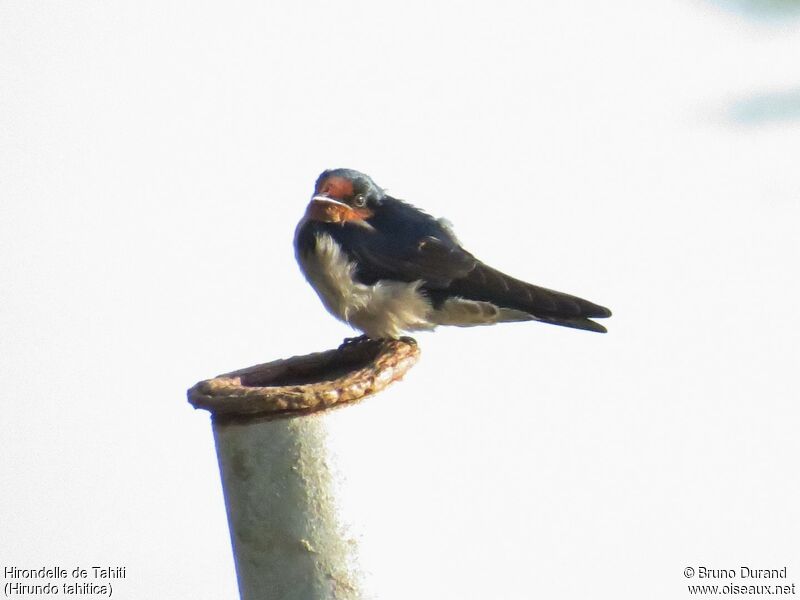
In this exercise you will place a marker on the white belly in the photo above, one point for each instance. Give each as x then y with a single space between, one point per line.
383 310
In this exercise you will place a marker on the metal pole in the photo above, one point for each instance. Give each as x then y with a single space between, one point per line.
278 475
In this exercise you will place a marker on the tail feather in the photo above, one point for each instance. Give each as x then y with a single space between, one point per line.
485 284
585 324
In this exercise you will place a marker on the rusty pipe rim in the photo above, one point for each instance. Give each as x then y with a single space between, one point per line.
306 384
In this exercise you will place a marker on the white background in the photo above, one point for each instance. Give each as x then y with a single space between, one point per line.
156 156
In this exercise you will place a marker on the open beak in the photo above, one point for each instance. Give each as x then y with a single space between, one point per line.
329 210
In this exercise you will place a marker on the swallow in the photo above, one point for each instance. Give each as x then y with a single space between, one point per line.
385 267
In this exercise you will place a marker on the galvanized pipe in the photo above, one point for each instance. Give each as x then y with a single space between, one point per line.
278 475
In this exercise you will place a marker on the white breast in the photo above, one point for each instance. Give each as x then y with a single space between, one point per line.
382 310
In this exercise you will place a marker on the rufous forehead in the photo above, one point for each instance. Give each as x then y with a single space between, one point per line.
335 187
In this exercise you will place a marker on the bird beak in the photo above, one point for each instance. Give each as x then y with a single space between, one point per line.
328 201
329 210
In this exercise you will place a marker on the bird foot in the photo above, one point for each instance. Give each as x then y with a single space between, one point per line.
354 341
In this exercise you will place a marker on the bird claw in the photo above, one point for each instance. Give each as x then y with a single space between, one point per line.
354 341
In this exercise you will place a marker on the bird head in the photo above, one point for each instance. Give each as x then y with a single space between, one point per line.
342 196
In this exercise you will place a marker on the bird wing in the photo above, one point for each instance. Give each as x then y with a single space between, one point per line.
436 262
404 244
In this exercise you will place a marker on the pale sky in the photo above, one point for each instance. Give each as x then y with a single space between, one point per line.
155 158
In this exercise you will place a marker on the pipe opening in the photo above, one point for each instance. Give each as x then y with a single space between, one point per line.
314 369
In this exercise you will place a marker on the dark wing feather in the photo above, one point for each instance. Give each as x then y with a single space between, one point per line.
434 261
490 285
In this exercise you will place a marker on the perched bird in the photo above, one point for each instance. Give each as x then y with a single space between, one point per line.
385 267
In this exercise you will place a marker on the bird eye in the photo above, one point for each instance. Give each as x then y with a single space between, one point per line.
360 200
